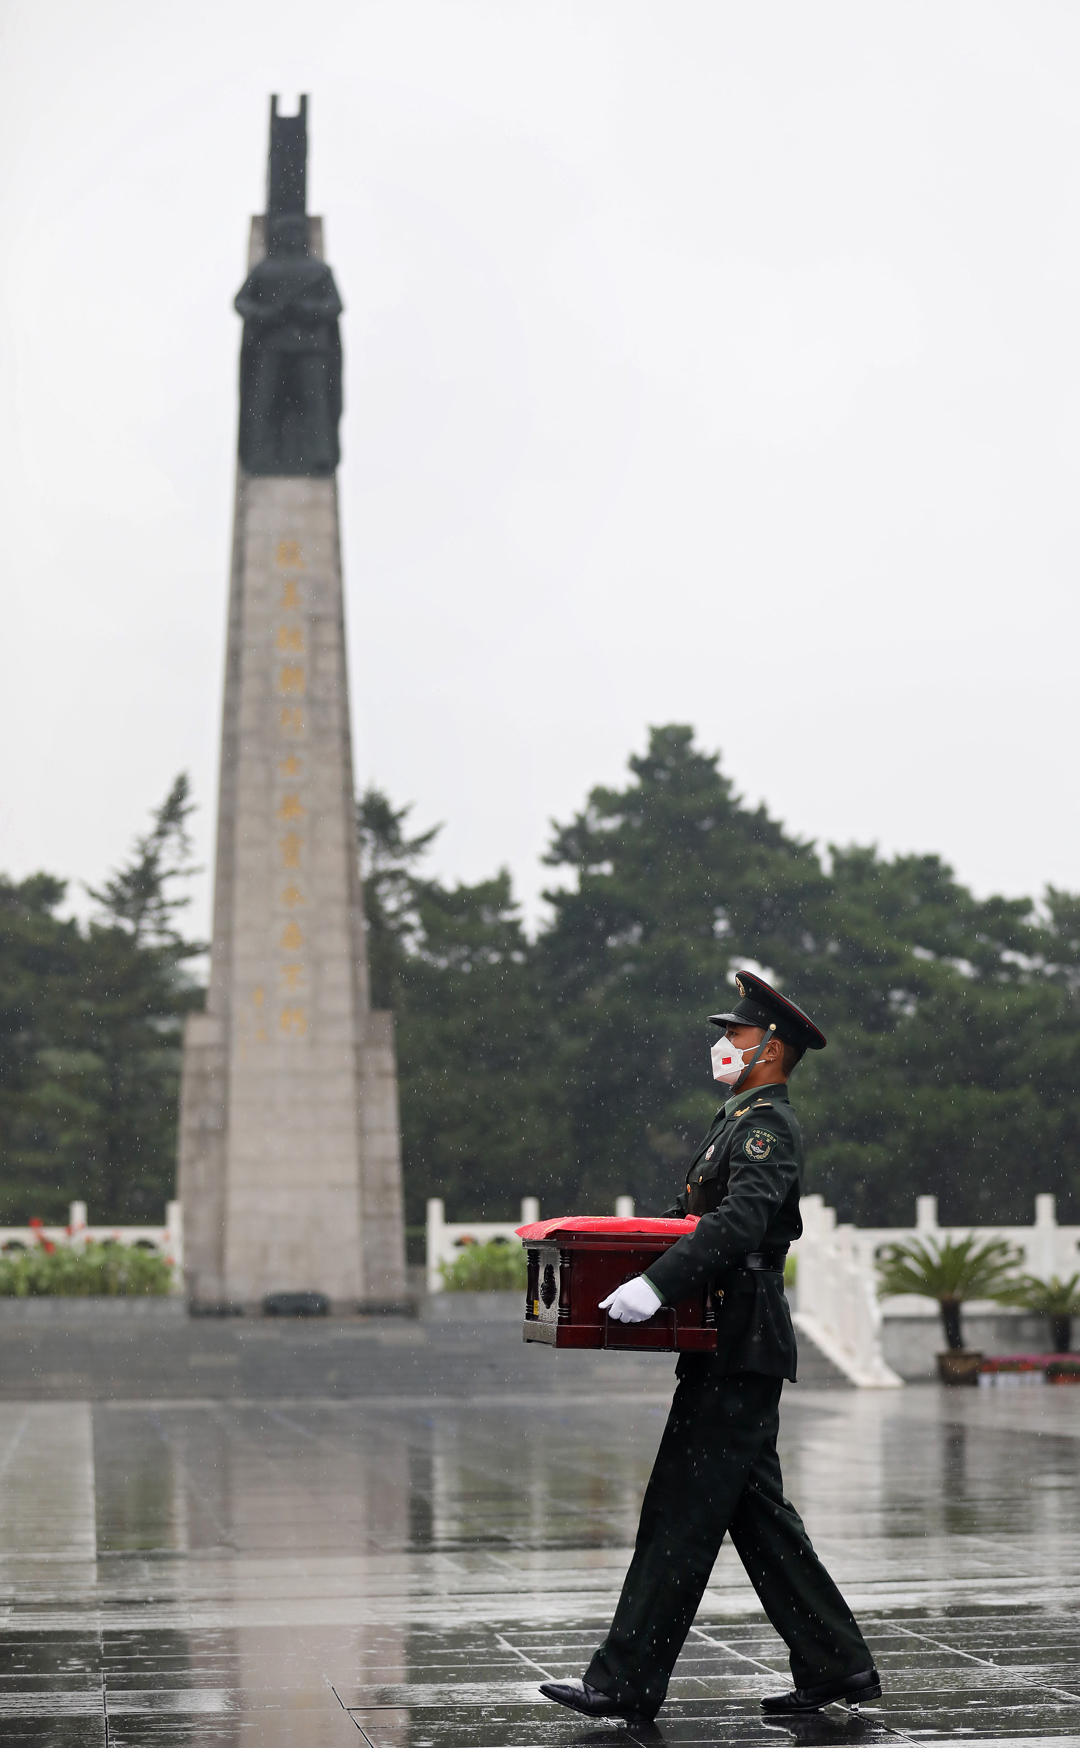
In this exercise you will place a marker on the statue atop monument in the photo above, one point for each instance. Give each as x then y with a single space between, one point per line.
290 359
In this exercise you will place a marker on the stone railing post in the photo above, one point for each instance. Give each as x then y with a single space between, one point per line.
1042 1258
174 1243
809 1273
436 1220
926 1219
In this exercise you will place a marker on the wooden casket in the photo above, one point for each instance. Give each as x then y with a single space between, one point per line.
576 1262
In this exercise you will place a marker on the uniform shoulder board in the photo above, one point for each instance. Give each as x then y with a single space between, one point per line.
762 1105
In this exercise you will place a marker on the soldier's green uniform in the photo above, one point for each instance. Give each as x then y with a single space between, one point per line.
744 1182
717 1470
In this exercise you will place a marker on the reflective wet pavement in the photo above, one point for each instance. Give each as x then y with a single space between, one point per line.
397 1575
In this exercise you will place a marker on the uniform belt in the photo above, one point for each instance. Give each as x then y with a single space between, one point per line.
765 1259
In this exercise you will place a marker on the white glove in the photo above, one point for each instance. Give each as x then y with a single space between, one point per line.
633 1302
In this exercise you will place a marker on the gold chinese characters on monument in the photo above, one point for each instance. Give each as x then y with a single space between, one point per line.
291 808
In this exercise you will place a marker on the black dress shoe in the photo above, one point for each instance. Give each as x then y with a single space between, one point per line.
580 1697
850 1688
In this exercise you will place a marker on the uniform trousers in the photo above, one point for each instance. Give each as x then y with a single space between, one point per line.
717 1471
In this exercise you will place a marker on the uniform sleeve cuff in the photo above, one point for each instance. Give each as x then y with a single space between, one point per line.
655 1288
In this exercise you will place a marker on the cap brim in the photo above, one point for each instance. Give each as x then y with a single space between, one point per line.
814 1039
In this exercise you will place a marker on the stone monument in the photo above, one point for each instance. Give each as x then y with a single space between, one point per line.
290 1166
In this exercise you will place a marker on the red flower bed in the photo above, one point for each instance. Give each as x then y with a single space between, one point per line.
1058 1368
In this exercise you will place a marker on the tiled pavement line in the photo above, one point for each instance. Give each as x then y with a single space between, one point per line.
47 1523
505 1645
47 1468
168 1437
150 1430
469 1702
404 1403
467 1705
707 1638
988 1663
685 1721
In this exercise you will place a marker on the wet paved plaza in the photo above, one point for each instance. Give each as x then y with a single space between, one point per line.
400 1574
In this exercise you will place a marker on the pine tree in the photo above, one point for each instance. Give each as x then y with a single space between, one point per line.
481 1123
90 1035
675 883
387 863
140 896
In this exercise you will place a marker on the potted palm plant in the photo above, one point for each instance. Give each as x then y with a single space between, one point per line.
950 1271
1058 1300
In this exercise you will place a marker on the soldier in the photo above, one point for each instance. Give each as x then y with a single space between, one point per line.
717 1470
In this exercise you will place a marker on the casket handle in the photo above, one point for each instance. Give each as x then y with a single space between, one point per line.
661 1311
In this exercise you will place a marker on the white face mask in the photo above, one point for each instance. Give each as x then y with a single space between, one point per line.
728 1062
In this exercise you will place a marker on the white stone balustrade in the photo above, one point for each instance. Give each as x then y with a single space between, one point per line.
837 1297
445 1240
836 1292
167 1240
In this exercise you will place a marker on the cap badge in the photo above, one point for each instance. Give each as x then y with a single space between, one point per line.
739 985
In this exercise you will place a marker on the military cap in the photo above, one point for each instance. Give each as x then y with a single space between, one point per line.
761 1005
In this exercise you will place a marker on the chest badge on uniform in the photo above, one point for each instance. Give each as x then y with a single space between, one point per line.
759 1144
709 1151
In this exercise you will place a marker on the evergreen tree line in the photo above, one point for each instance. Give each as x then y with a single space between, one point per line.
574 1065
91 1019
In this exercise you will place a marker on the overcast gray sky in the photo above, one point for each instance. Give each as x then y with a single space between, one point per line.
715 363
